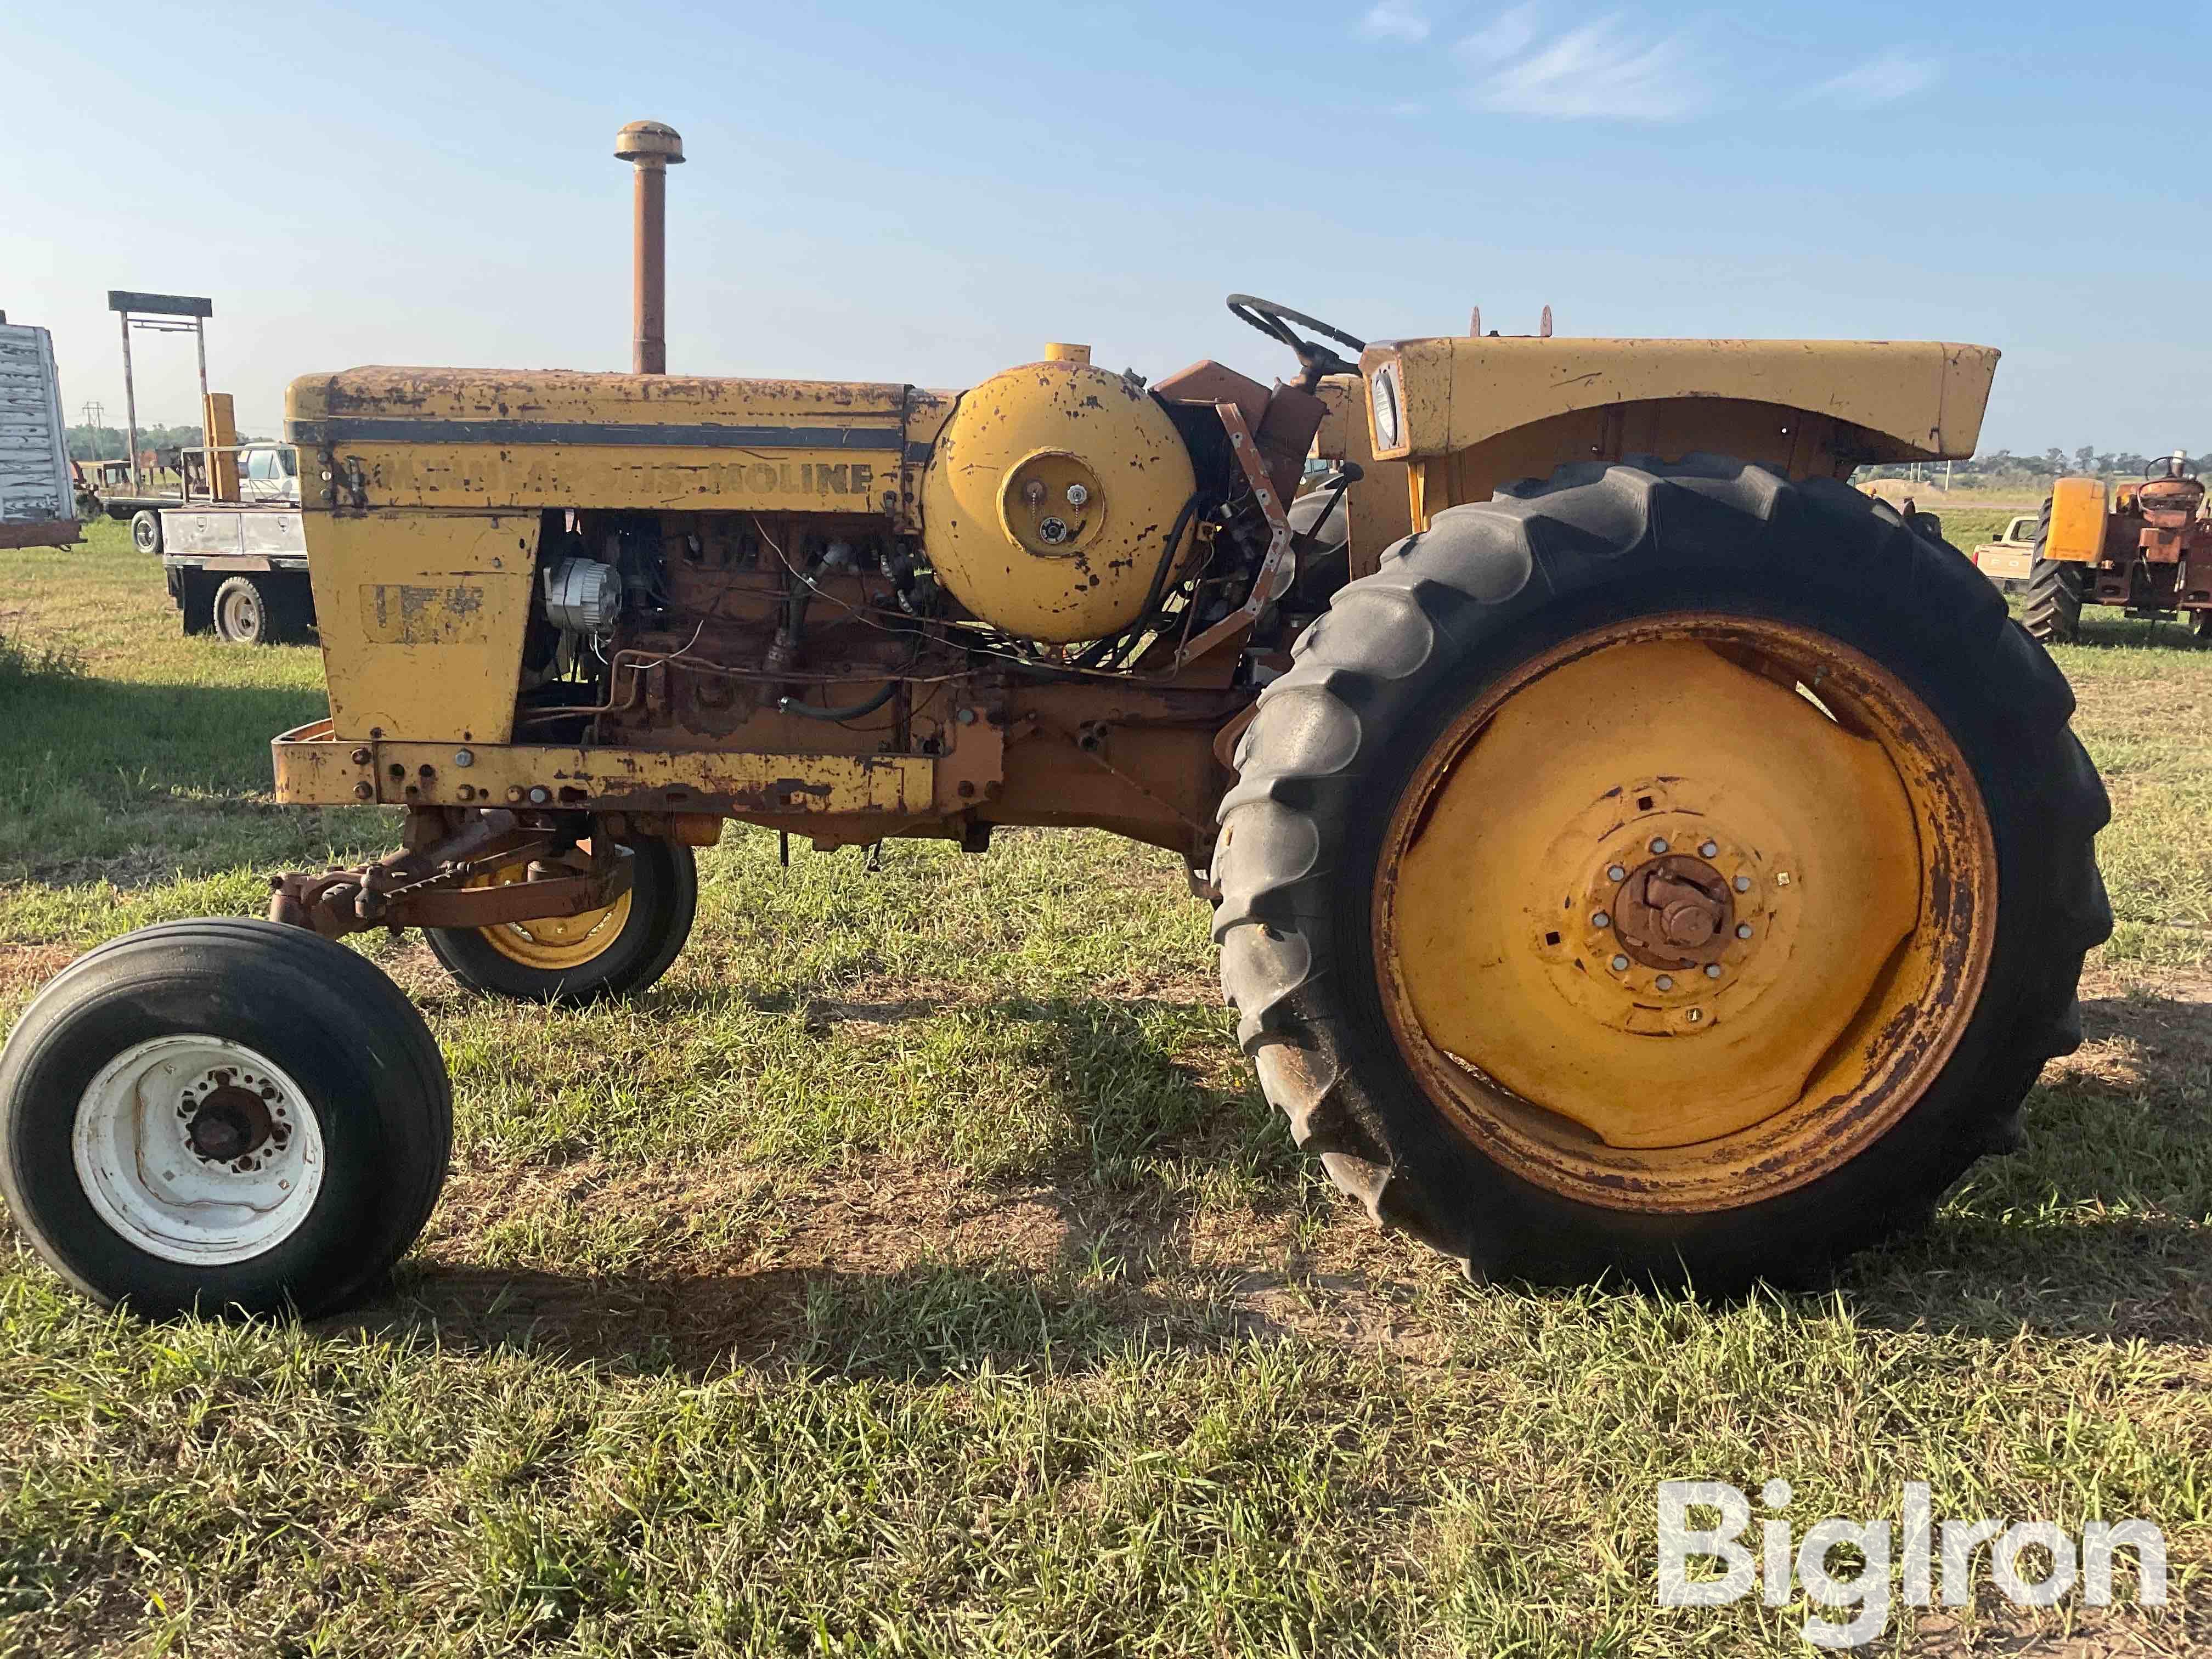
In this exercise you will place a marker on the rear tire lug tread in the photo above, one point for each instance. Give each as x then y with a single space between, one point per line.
1502 562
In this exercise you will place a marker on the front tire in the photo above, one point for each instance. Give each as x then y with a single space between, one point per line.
1533 1105
222 1115
146 532
617 951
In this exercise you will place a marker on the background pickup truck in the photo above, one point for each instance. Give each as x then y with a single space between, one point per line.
2008 560
237 568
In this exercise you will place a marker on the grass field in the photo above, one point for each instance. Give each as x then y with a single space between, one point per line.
917 1270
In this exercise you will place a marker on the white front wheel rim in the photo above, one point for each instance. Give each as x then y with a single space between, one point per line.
198 1149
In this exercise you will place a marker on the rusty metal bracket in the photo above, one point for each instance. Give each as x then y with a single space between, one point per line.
427 886
1091 743
1277 570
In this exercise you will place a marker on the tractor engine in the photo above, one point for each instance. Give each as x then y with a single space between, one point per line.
1063 519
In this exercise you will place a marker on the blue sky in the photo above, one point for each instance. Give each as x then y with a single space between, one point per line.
928 193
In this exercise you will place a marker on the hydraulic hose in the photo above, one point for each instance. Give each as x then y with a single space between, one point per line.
793 706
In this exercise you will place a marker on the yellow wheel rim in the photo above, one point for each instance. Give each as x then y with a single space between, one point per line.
1687 912
553 944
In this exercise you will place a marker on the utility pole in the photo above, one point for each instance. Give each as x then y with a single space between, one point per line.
92 411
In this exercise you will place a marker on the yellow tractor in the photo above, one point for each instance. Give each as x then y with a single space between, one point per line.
1633 851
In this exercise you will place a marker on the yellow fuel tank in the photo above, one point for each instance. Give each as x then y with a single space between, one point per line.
1049 495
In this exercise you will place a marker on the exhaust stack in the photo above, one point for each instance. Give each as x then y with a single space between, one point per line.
652 149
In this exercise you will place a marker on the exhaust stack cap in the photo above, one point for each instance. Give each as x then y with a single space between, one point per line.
649 143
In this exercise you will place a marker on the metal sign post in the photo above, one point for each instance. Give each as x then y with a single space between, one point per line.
162 313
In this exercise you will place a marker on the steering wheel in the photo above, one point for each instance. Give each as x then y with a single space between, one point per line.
1275 321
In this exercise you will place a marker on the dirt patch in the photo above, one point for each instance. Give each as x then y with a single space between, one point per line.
2086 1633
721 1263
2140 1028
24 968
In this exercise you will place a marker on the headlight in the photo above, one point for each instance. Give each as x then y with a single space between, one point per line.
1383 393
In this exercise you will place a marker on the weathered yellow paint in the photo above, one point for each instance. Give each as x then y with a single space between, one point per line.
997 492
1857 860
1517 845
2078 507
316 765
553 944
421 615
1378 508
1904 400
413 613
477 439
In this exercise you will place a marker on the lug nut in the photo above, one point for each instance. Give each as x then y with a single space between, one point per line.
1621 964
1743 883
1665 982
1616 873
1743 930
1712 970
1659 843
1601 919
1712 849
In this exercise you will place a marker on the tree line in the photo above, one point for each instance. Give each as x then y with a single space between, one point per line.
2002 466
111 443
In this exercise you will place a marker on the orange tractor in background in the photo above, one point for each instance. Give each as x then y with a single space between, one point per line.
2147 547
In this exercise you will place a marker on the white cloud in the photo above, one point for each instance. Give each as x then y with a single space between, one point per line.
1882 80
1394 20
1509 33
1609 69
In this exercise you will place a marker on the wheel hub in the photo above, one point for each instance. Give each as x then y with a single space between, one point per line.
1675 911
230 1123
1683 922
196 1149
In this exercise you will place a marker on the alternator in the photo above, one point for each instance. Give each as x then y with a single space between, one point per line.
583 595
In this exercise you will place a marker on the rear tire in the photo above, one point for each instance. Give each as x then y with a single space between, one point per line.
1483 596
248 611
288 1056
620 956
